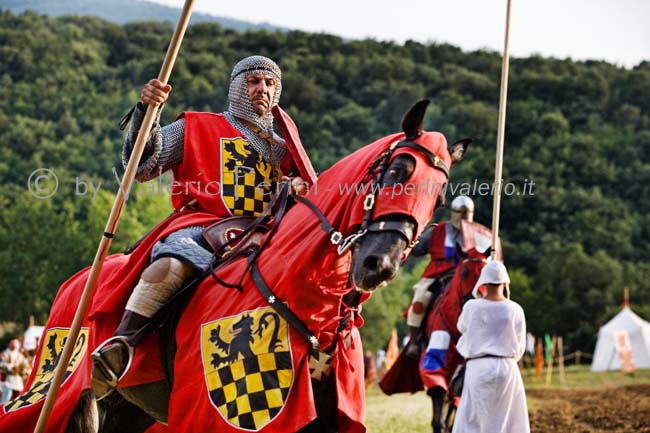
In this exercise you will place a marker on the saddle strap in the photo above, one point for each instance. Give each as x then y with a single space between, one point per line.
284 311
320 363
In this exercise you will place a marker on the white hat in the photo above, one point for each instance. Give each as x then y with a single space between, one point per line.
492 273
462 202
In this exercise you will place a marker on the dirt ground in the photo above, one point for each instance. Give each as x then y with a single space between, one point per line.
624 409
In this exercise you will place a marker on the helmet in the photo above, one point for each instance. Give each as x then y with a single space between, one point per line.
462 207
494 272
462 203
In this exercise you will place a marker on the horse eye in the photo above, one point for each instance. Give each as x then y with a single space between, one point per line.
399 170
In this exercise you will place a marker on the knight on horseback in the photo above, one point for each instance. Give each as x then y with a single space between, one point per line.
444 243
295 336
226 165
458 261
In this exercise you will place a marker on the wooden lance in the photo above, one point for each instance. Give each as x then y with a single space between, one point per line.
500 136
111 225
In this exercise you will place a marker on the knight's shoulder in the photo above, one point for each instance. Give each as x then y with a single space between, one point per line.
279 140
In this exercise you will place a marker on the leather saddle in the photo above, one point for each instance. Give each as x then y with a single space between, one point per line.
234 236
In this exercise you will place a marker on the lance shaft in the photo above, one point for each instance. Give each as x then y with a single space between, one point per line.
500 138
111 225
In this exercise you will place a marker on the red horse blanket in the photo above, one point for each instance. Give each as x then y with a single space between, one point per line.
119 274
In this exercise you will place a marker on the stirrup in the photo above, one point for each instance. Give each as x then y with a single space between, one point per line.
104 375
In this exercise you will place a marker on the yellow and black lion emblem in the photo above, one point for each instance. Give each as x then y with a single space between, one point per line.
248 366
50 353
247 180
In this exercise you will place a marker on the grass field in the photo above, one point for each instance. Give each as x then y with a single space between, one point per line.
588 402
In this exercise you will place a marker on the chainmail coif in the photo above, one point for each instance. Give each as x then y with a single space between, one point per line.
239 103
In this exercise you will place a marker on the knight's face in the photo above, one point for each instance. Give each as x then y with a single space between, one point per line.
461 214
261 90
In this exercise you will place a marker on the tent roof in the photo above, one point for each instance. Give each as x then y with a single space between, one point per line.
626 319
638 330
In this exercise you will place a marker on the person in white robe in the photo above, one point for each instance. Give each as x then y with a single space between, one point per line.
493 339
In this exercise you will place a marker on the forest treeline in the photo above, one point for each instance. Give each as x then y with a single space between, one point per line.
577 134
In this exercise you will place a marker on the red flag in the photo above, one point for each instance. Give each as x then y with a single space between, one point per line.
539 359
479 237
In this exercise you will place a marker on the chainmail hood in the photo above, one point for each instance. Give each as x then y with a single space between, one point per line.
239 103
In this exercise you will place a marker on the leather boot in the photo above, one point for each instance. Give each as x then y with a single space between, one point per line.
112 358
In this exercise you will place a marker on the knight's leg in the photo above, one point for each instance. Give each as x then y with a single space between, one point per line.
160 280
415 315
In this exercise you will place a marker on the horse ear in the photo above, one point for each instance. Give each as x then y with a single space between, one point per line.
412 121
458 149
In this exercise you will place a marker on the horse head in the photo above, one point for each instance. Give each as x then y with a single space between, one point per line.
408 184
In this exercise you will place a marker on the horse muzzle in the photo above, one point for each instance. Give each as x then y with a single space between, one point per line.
378 254
374 270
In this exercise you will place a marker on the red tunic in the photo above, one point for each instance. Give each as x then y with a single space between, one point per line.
439 263
221 170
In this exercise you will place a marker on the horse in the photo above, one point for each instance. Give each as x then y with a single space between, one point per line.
440 361
279 350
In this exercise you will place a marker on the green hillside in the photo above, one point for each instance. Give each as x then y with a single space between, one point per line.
579 130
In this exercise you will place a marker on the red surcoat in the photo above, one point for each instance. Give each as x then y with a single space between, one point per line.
221 170
439 264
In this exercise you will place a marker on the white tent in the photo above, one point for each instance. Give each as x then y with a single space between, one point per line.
606 357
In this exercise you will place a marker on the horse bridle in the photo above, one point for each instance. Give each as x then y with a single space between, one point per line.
376 172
